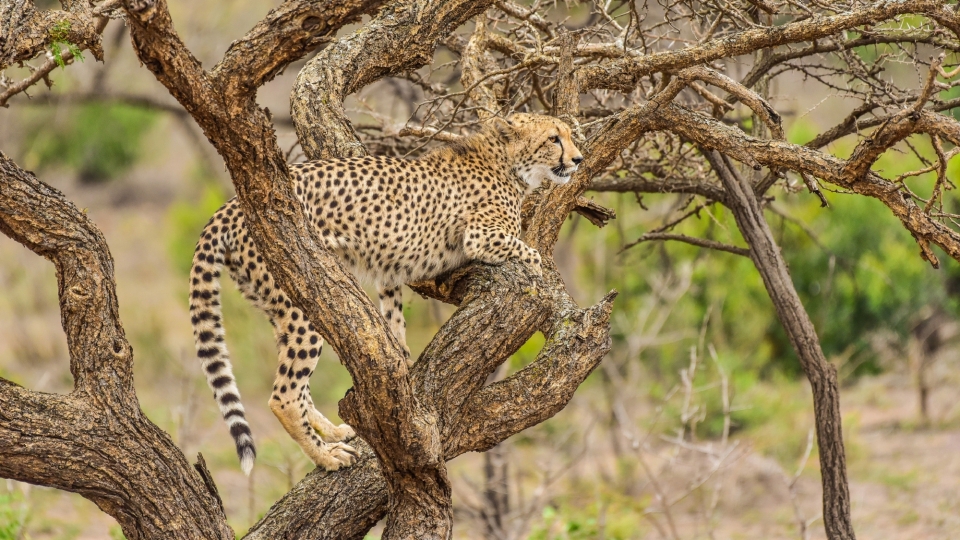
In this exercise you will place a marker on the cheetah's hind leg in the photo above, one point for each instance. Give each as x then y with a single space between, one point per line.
299 347
391 307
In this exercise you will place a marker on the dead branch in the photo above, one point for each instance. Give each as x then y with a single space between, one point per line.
625 74
713 134
892 131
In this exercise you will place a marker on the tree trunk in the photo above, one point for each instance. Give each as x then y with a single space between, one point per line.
822 375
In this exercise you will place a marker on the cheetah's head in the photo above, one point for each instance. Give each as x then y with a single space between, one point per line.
541 148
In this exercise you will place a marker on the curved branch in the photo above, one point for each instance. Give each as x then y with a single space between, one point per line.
402 38
748 97
94 441
289 32
575 343
40 218
894 130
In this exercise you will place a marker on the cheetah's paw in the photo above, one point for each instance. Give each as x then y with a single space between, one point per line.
335 456
535 266
345 433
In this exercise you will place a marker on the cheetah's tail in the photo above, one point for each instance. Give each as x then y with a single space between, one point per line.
206 316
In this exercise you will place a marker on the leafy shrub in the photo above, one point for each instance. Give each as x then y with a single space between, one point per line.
13 515
99 141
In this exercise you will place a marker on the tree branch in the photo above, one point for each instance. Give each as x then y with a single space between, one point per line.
289 32
576 341
625 74
701 242
94 441
710 133
639 184
743 94
894 130
27 33
402 38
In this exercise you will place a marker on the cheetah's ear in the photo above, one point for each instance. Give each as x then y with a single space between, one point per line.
504 129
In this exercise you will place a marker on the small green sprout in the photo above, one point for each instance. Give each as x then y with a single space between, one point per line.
59 35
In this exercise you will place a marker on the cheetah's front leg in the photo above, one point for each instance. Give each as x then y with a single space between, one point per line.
492 245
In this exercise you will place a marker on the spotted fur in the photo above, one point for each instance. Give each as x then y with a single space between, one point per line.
391 221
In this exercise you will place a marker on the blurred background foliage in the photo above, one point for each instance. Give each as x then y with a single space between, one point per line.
96 141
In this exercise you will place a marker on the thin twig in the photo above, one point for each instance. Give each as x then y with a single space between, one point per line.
701 242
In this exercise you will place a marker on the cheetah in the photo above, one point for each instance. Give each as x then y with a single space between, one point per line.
391 221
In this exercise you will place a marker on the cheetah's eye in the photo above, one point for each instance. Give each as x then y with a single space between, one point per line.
555 139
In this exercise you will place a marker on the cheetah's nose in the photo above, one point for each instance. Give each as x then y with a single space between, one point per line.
577 160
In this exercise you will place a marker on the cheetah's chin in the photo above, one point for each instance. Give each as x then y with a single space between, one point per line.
562 177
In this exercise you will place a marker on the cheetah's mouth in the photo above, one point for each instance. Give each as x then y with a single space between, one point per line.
562 172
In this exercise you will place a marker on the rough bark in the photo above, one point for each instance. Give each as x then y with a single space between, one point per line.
26 32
